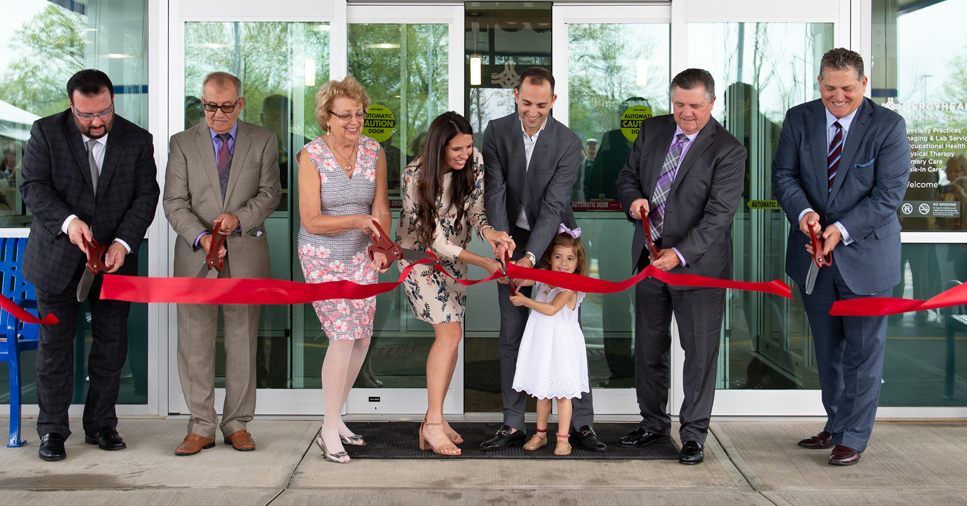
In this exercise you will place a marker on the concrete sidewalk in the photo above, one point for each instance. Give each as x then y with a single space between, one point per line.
746 463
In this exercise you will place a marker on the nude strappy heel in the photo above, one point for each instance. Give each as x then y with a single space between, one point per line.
439 450
537 440
564 449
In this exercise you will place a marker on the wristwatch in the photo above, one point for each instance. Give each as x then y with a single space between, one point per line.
530 256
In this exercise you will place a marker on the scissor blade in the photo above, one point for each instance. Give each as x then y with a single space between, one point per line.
811 276
203 272
413 256
84 287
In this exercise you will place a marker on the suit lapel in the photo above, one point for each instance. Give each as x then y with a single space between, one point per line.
112 155
702 142
517 171
76 142
543 146
663 141
857 131
243 140
819 146
206 149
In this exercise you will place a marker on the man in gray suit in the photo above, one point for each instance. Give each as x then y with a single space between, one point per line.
684 175
841 169
531 163
223 171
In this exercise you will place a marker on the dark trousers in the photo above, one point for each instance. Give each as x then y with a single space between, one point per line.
55 356
513 319
849 355
699 315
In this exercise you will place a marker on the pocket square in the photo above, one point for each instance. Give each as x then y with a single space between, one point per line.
864 165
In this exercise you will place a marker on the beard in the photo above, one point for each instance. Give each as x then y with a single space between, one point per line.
99 131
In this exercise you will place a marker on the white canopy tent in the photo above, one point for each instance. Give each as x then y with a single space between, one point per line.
15 122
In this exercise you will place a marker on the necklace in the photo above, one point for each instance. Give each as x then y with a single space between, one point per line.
349 165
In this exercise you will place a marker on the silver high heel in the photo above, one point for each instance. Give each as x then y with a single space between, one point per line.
331 457
354 440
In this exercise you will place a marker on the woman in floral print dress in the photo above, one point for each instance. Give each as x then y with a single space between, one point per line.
342 193
442 199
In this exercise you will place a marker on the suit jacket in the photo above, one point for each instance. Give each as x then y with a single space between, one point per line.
56 182
542 188
869 186
193 197
701 202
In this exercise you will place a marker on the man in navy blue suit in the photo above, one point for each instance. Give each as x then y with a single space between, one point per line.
841 169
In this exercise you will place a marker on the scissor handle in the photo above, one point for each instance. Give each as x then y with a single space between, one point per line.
510 280
212 259
382 244
95 254
652 250
821 261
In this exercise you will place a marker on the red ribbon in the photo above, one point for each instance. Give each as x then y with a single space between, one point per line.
271 291
881 306
22 314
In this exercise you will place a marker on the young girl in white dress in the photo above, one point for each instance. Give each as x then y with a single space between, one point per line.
553 361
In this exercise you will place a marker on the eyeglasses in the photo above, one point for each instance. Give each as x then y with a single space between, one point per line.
212 106
100 115
360 115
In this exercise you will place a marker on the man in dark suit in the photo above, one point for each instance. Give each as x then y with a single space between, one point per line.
841 169
224 171
531 163
87 173
684 175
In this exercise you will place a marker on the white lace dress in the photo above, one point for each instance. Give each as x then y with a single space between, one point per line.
553 361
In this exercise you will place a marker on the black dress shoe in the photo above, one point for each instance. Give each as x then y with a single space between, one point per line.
692 453
52 447
106 438
586 437
641 437
504 438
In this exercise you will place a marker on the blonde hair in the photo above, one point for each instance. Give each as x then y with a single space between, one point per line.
565 240
329 92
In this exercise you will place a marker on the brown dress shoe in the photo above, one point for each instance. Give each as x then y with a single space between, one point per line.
193 444
843 456
820 441
241 441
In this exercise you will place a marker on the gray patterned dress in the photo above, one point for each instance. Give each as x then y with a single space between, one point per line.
342 256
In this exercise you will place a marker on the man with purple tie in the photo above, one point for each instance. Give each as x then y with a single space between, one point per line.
841 170
684 175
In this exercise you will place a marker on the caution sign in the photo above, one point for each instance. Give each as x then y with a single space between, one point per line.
631 120
380 123
764 204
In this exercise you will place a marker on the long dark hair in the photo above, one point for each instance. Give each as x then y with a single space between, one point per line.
442 130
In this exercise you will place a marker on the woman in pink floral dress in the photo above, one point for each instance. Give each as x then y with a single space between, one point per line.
342 193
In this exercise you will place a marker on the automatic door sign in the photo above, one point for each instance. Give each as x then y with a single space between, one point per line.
631 120
380 123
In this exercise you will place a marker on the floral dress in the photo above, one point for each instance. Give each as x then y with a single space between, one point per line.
342 256
435 297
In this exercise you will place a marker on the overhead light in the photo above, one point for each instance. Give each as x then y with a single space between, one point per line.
116 56
91 29
475 70
310 72
212 45
382 46
321 28
642 73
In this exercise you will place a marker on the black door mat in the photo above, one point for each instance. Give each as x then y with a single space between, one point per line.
399 440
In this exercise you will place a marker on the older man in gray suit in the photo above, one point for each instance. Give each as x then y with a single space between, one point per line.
684 175
223 171
841 170
531 163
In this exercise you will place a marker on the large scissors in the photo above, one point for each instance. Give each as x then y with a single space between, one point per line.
212 260
818 261
652 250
393 251
95 264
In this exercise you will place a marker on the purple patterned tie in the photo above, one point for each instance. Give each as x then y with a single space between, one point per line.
224 163
835 151
669 170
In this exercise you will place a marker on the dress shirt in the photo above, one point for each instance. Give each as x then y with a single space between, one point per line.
100 147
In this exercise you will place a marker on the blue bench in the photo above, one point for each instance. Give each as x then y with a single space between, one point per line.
15 336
